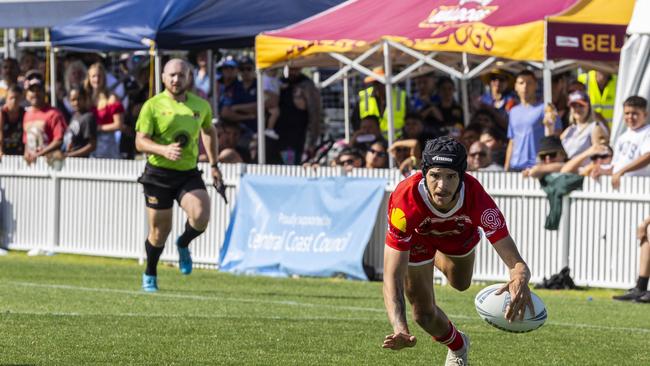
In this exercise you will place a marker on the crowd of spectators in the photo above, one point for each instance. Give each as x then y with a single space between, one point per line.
509 129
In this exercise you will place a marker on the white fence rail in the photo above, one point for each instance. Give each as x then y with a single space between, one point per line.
95 207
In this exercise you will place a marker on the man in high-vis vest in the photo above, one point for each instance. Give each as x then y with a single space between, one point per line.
372 102
601 88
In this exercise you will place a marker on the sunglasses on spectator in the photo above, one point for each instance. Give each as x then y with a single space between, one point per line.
600 156
481 154
551 155
381 154
402 149
347 162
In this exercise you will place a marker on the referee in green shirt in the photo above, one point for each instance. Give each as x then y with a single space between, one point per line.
168 130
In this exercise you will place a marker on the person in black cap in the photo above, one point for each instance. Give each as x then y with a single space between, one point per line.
434 216
550 158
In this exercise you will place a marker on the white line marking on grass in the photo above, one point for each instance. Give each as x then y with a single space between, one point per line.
182 316
292 303
194 297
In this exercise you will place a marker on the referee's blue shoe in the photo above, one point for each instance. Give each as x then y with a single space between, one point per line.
149 283
184 260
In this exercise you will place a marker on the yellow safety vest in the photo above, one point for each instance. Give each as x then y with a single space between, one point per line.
604 102
368 106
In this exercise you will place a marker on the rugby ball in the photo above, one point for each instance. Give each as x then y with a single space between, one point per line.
492 309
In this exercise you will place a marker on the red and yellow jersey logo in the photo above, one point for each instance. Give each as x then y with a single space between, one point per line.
398 219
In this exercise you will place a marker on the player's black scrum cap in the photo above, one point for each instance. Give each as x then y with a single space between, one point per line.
444 152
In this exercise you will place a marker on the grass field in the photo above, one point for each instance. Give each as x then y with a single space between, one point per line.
70 310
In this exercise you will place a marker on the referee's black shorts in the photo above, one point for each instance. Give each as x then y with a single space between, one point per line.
163 186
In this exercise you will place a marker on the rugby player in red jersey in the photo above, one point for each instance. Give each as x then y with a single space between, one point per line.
434 217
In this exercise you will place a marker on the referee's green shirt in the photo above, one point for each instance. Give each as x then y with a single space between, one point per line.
168 121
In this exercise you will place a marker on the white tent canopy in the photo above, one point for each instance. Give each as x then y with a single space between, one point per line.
634 73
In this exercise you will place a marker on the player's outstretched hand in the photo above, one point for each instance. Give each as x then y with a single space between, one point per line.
398 341
520 299
217 182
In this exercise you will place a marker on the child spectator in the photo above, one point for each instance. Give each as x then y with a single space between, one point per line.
11 123
632 149
80 138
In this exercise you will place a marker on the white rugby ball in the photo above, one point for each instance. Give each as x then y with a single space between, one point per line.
492 309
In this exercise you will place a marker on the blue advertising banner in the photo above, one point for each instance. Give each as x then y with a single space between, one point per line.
312 227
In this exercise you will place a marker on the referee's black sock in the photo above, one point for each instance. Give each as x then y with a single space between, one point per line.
642 283
153 255
188 235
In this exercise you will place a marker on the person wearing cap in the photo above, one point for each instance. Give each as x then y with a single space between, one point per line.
584 130
228 85
529 121
43 125
601 88
168 130
372 101
632 148
243 106
433 220
499 94
551 158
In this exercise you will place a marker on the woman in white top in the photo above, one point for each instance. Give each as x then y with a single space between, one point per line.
584 130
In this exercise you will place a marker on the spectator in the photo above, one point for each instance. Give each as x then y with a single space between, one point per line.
528 123
229 86
479 159
424 101
452 121
367 134
640 292
229 156
80 138
300 117
349 159
11 123
229 137
244 104
414 128
551 158
109 113
583 131
601 88
407 154
499 96
74 76
470 135
377 156
28 62
600 158
559 97
496 141
372 101
10 73
632 149
201 75
488 117
43 125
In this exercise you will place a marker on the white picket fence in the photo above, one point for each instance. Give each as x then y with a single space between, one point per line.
95 207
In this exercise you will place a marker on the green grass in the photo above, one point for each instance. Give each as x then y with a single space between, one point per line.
70 310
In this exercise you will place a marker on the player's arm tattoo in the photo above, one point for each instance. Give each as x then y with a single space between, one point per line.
399 307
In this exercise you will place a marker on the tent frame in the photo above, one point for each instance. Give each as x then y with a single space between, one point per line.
548 67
